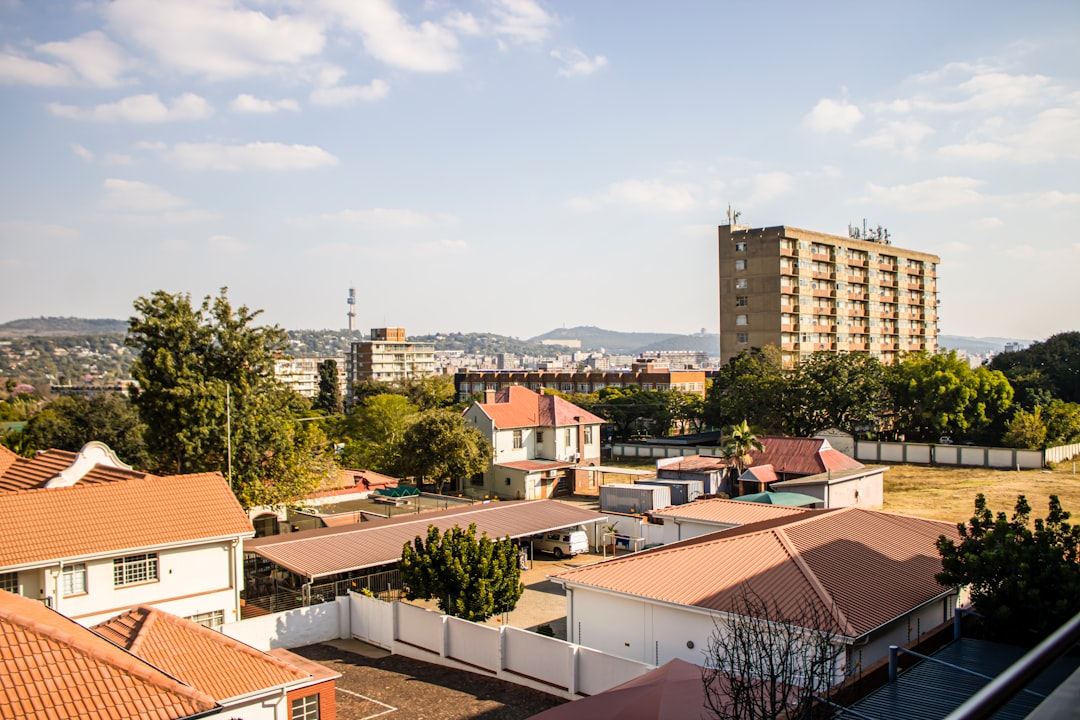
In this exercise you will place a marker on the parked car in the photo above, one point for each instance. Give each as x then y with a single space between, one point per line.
561 543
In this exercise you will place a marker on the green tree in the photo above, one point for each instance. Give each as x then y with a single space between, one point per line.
441 446
194 361
941 394
1048 369
753 386
832 390
739 443
1062 422
1024 581
1025 430
329 398
429 393
470 578
68 423
374 432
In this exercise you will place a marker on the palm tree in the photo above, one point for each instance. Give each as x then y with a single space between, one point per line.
738 445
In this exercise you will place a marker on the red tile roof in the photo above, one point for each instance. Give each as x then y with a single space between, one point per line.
7 459
86 519
205 659
53 668
351 481
26 473
863 568
518 407
801 456
729 512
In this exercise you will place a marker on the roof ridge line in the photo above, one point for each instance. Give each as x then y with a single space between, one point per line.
143 629
834 610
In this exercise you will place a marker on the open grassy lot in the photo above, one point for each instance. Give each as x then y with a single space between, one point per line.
949 493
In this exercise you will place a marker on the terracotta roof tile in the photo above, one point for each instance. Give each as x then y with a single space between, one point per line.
518 406
863 567
40 525
7 459
52 667
205 659
27 473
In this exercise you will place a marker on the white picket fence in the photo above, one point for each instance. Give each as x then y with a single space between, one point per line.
507 653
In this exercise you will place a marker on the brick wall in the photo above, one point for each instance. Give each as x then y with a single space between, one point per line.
327 703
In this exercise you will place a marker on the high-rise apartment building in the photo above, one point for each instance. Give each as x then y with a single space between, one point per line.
389 357
804 291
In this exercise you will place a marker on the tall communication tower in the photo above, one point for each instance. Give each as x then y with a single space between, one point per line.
352 309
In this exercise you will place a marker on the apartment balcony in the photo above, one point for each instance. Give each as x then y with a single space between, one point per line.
823 275
789 252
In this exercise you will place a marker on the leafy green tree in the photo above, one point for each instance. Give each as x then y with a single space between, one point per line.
429 393
1048 369
1025 430
192 362
832 390
374 432
1024 581
440 447
68 423
739 443
941 394
753 386
470 578
1062 422
329 397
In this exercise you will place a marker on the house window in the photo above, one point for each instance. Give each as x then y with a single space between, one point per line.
305 708
740 247
740 283
10 582
566 437
740 265
135 569
539 436
74 580
740 320
517 439
741 301
212 620
588 436
742 338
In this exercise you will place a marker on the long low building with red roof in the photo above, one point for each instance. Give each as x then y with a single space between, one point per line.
867 576
91 537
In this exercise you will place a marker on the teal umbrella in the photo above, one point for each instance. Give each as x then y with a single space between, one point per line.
789 499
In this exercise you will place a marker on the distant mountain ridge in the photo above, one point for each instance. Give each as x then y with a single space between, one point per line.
46 326
631 343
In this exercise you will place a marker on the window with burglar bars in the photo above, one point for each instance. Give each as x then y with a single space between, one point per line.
135 569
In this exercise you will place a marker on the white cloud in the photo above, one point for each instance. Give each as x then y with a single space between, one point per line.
988 223
443 247
389 37
130 196
464 23
215 38
82 152
227 245
252 156
770 185
338 95
649 195
898 136
1044 200
522 21
245 103
19 70
1050 135
929 195
832 116
139 109
577 63
93 57
382 219
118 159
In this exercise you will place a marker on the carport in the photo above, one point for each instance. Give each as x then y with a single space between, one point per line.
327 562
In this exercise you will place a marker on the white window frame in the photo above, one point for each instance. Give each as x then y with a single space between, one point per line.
741 320
588 436
305 708
10 581
740 283
73 581
213 619
518 440
740 265
135 569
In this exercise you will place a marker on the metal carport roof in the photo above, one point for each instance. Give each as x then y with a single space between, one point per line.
329 551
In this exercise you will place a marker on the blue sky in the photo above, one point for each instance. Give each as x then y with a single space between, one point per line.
513 166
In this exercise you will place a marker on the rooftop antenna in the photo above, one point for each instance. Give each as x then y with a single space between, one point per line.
352 309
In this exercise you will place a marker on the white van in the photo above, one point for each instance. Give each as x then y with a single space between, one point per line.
561 543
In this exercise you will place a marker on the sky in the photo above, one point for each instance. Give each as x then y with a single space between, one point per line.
515 166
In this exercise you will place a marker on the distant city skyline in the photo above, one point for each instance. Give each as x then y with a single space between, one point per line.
513 166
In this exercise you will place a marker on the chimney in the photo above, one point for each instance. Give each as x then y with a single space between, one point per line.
489 397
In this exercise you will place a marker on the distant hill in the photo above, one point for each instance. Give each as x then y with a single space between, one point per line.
977 346
49 326
629 343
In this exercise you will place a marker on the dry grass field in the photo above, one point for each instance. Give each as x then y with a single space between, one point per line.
949 493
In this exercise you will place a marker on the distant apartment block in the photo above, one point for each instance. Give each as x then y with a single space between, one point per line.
302 374
644 376
805 291
389 357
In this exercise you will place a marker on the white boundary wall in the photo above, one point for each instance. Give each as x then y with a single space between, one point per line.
512 654
294 628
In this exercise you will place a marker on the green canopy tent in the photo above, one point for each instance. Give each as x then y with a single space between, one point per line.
789 499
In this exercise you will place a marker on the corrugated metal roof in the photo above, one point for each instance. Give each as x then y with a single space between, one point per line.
930 690
329 551
801 456
697 463
727 512
865 568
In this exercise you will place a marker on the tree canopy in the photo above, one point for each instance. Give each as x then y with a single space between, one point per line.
471 578
206 376
329 398
68 423
440 446
1046 370
1025 581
